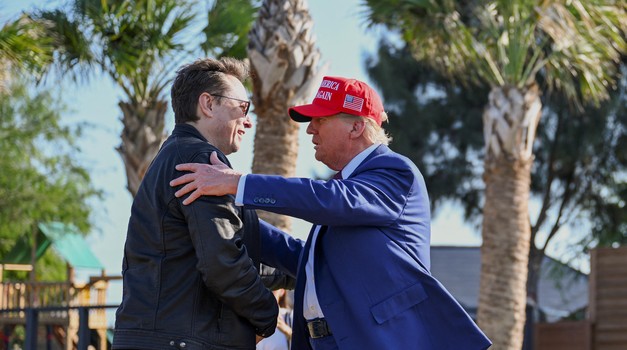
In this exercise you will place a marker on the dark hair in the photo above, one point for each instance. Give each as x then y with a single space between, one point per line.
204 75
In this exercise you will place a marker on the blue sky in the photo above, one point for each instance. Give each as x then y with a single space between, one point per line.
344 42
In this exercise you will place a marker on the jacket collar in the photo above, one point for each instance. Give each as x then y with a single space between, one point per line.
381 149
354 163
184 129
187 130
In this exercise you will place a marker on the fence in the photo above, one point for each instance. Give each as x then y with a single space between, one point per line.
57 305
574 335
606 326
608 298
32 322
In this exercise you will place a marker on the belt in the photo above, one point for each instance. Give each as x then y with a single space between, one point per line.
318 328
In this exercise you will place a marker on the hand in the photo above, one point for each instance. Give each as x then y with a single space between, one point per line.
284 327
215 179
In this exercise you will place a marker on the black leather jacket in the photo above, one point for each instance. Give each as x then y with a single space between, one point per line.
190 273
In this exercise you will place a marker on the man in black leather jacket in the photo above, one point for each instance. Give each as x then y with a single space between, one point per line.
190 278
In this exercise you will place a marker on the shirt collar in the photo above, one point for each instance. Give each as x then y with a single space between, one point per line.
356 161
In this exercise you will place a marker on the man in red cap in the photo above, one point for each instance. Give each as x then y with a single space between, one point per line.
363 278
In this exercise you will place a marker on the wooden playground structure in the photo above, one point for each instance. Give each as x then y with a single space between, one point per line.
58 319
53 315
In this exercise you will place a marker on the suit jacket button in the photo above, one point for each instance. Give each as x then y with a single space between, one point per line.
182 345
171 342
272 201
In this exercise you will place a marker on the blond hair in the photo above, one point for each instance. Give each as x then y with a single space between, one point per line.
373 132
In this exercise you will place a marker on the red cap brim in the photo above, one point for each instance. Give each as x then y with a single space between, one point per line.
304 113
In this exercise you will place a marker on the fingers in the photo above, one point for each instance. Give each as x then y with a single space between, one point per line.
189 167
185 190
194 178
182 179
192 197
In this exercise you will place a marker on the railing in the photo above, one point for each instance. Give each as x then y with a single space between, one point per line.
32 322
22 295
57 304
55 297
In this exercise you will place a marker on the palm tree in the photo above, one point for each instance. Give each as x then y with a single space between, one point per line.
228 24
571 46
133 42
284 62
23 46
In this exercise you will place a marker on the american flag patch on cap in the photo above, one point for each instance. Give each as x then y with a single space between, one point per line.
353 102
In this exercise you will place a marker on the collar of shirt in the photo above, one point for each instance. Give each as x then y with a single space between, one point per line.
356 161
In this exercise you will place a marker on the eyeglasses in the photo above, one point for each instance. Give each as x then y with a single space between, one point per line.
245 107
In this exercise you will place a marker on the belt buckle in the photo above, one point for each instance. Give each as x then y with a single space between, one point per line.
318 328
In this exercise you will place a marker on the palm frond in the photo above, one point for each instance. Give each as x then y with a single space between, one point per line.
228 24
24 45
576 45
73 54
137 36
586 42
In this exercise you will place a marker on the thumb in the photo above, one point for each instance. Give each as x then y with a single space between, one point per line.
215 160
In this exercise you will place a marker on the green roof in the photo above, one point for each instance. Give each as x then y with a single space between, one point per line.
65 239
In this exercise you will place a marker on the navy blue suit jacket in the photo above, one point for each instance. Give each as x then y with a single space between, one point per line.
371 261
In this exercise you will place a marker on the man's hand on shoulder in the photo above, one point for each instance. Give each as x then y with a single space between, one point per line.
215 179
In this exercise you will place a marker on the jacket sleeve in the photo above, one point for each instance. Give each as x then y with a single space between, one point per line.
216 232
274 278
279 249
375 195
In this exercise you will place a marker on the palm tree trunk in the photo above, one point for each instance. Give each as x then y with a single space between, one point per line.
504 254
141 138
510 122
284 63
276 151
533 276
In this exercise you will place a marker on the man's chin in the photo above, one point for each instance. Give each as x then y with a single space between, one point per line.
234 148
320 158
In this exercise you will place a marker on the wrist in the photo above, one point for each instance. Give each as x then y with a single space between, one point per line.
266 332
235 183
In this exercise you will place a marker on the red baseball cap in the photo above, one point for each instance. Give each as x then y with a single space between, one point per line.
340 95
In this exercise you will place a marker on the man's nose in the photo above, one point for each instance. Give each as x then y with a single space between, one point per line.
310 128
248 123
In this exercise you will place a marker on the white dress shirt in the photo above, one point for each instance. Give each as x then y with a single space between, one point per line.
311 307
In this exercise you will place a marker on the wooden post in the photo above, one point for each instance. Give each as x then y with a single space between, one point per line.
33 254
592 288
32 325
83 328
2 302
32 274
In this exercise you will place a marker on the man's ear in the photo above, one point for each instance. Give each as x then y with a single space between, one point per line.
359 126
204 104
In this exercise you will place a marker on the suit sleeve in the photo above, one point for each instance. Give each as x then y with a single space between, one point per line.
279 249
376 195
216 229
